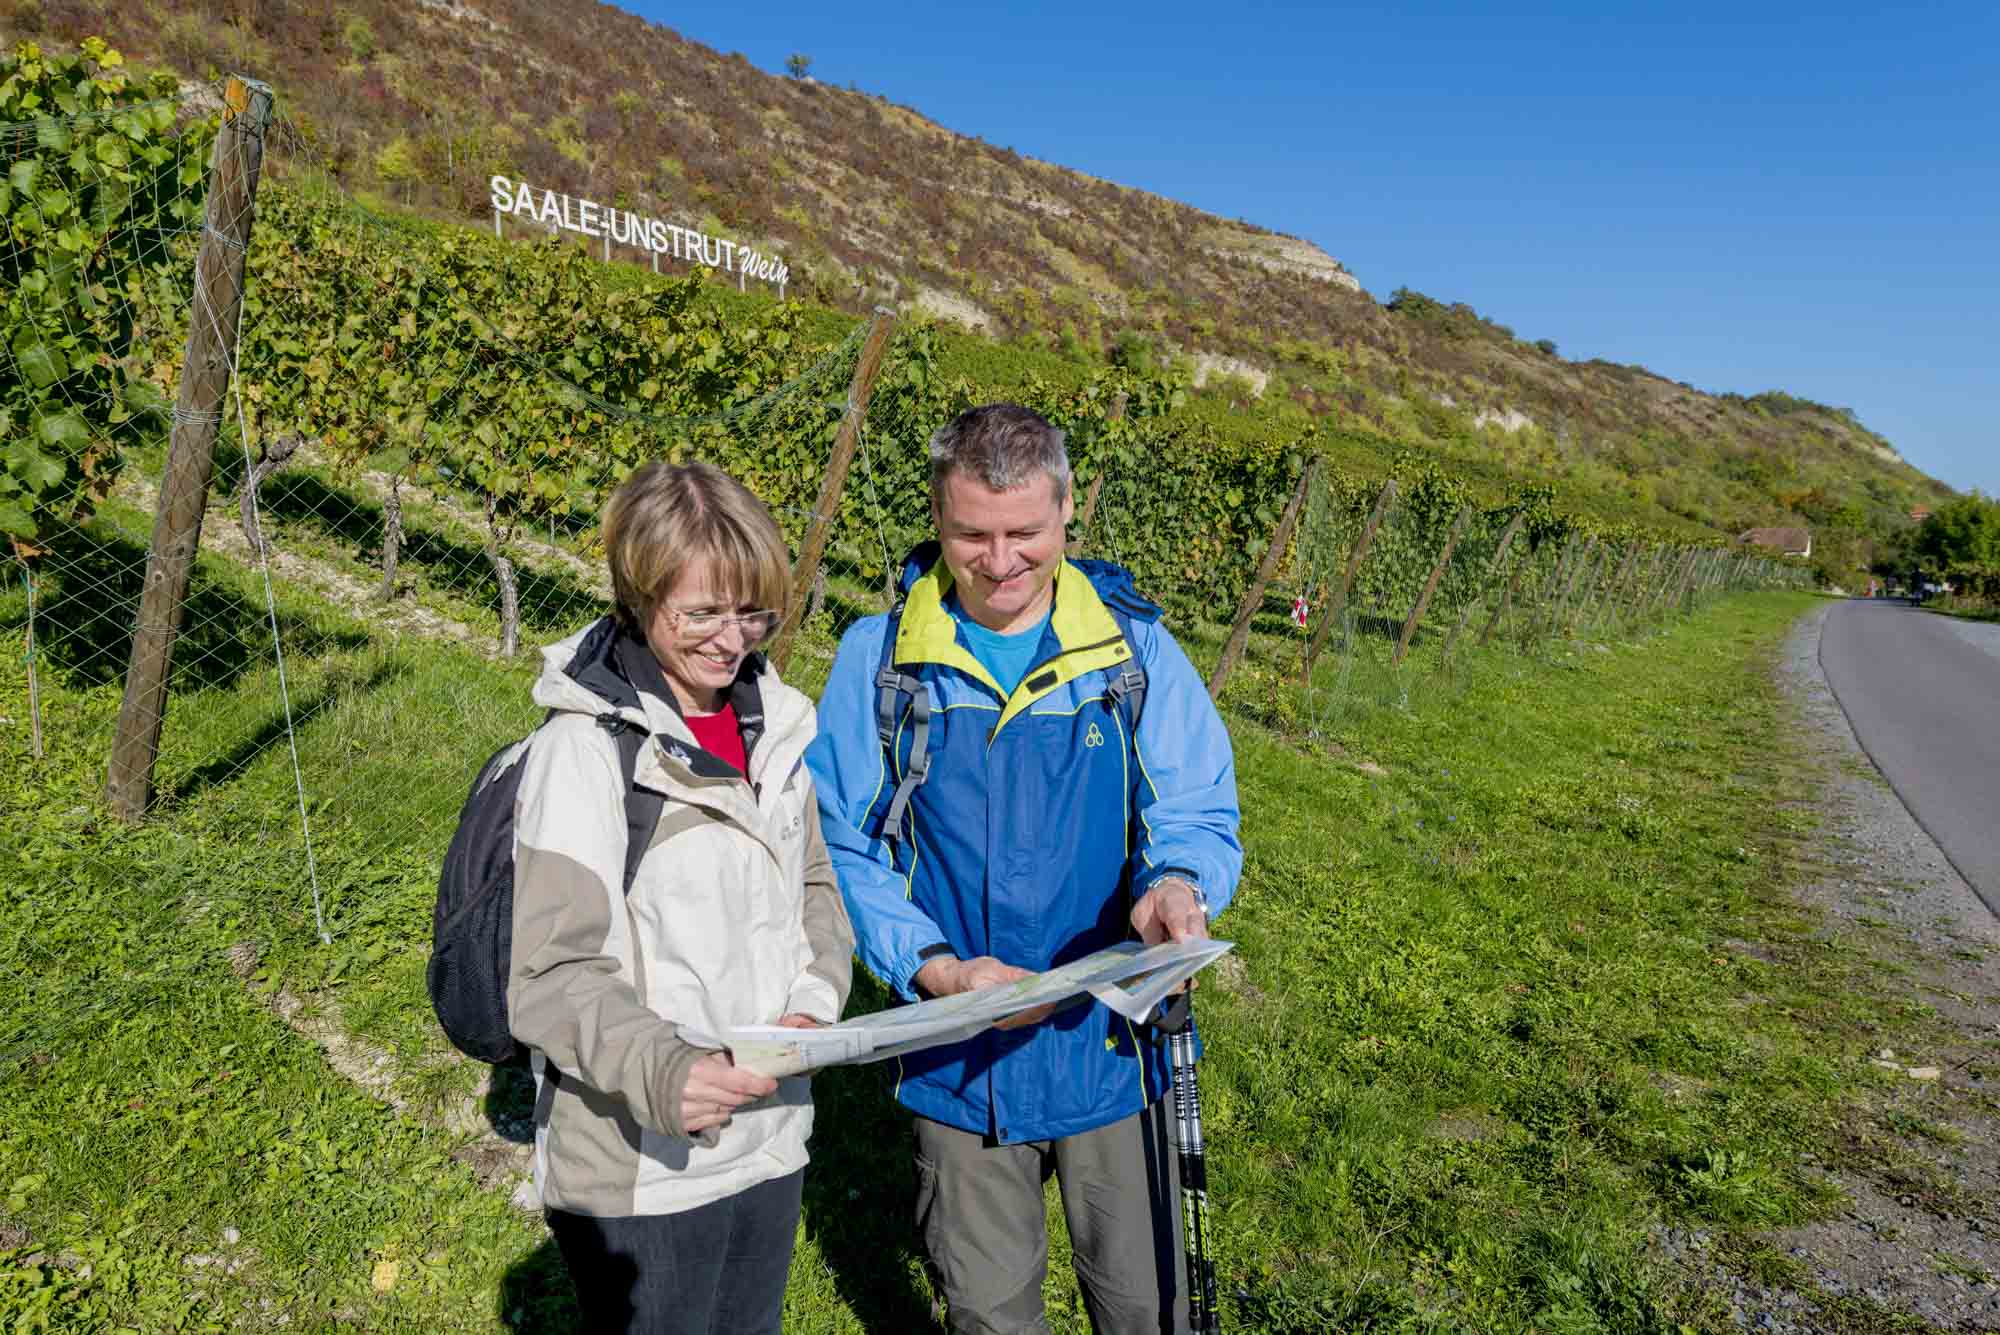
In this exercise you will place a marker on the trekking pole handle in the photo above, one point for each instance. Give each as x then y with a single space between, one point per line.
1175 1014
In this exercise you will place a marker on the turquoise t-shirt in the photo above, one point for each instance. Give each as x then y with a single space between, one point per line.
1007 657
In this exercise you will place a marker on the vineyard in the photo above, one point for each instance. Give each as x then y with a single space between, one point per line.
407 435
524 382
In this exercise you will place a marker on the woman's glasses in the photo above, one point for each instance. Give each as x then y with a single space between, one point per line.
755 625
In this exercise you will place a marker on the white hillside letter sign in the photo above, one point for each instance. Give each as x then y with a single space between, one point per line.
587 217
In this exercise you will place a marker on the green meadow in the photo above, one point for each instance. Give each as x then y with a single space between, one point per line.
1491 1020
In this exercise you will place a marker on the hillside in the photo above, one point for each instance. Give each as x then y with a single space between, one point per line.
417 106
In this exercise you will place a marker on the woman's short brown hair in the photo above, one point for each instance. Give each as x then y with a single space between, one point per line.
667 517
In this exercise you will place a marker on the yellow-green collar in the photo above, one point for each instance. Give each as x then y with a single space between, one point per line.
1087 636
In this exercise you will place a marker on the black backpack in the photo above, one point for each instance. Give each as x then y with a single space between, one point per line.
472 927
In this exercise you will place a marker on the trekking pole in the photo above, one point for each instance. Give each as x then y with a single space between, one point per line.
1203 1318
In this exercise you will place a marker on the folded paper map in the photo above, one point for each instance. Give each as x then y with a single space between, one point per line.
1130 978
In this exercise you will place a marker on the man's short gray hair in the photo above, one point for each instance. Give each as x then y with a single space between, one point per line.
1003 445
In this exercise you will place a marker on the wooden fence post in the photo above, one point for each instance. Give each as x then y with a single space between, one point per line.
34 677
1706 583
1493 568
1609 592
845 442
1507 598
1561 603
1620 592
1656 601
1718 578
1430 586
1591 611
208 364
1642 583
1732 571
1671 593
1089 511
1338 604
1590 588
1546 595
1253 597
1684 591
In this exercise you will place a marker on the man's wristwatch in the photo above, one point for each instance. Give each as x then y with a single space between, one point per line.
1194 888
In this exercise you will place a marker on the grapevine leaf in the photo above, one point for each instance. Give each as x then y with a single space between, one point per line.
64 430
38 470
38 359
16 521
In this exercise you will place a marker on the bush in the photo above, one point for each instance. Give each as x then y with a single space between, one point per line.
359 35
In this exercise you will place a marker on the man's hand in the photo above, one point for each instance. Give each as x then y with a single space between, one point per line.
717 1087
1169 912
948 975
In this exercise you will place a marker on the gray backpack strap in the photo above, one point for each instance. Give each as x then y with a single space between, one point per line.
890 686
1128 688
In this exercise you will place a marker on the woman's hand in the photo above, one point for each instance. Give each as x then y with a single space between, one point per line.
798 1020
717 1087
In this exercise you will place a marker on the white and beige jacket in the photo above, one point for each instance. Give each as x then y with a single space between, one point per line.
733 918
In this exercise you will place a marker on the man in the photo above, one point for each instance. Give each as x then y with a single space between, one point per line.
1044 827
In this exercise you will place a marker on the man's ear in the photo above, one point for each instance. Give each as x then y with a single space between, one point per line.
1068 502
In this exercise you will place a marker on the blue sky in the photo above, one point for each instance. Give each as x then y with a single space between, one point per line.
1745 197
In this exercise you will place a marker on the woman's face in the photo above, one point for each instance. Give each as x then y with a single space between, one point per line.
701 634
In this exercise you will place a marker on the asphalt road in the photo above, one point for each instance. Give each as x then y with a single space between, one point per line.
1922 692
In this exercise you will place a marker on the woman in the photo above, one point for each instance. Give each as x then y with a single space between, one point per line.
671 1178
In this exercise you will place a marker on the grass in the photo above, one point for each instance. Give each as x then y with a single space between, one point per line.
1488 1024
1966 609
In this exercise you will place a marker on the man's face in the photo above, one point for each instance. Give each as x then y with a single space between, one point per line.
1002 547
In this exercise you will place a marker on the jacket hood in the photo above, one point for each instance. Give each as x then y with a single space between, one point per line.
607 669
1112 581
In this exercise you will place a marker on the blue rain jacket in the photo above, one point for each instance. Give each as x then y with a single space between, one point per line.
1040 825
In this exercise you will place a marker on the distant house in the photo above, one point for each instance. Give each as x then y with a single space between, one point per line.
1919 513
1787 541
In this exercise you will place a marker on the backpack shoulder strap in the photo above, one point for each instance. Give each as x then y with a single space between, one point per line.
642 805
892 686
1128 689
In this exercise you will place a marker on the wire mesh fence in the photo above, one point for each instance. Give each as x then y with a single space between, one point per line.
392 487
344 472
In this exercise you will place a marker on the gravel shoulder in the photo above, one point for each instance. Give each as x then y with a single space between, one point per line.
1917 1246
